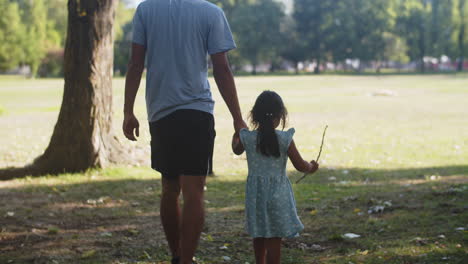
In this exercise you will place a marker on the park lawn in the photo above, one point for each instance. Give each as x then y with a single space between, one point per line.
406 150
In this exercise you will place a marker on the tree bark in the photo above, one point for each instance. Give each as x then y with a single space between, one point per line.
317 66
461 35
422 41
83 136
422 52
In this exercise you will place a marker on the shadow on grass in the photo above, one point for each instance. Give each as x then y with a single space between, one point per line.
11 173
375 174
385 175
352 73
106 221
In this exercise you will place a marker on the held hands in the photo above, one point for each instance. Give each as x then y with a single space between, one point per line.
131 127
235 139
314 167
237 146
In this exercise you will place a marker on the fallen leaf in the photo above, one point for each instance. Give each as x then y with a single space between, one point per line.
88 253
376 209
302 246
104 199
53 230
350 198
316 247
365 252
133 232
146 254
351 235
106 234
419 240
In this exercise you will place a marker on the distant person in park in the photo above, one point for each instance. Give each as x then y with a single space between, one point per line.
269 200
176 37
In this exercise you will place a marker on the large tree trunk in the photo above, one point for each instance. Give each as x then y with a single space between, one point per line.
317 66
461 34
422 53
83 136
422 40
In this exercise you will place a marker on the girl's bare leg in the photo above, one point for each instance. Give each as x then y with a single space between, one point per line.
260 250
273 248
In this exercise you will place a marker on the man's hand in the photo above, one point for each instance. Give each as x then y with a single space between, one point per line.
237 146
131 127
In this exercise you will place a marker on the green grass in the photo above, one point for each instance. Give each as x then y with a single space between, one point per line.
410 150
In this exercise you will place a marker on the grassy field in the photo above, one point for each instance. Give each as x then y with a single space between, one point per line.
400 142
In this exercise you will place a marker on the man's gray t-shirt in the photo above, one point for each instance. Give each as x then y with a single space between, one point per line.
178 36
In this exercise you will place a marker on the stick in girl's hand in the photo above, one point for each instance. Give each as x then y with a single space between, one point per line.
320 153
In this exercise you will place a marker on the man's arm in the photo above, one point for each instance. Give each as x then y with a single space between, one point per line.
225 81
132 83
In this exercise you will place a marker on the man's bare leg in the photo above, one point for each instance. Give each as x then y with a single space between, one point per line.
193 215
170 214
260 250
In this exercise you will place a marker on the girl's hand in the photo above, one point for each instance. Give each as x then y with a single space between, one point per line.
314 167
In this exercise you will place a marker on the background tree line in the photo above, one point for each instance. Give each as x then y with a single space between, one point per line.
348 34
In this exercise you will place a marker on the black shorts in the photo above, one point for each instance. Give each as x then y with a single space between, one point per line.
182 143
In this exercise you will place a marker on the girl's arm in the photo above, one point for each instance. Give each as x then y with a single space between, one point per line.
299 163
237 146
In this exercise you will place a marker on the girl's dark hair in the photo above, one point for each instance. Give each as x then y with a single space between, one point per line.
268 109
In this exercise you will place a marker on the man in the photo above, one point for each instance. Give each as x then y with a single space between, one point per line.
176 36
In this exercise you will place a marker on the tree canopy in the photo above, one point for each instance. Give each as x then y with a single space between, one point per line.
32 33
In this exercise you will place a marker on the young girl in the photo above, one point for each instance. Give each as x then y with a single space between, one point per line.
270 206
